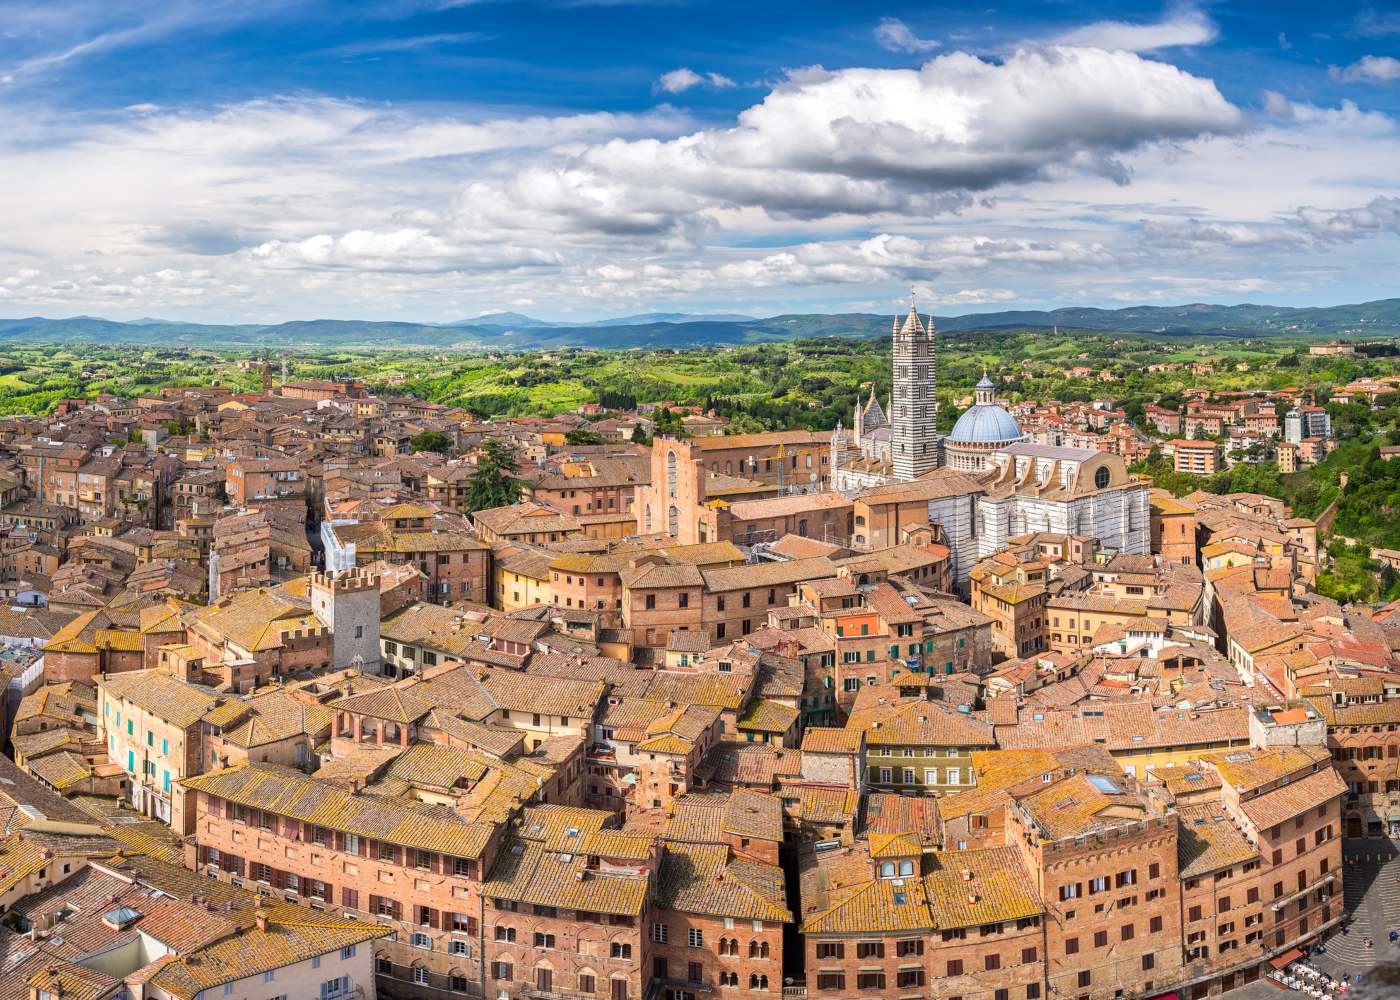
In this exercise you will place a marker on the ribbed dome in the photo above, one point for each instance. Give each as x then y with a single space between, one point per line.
986 423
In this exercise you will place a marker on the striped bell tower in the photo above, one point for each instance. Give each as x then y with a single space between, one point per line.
914 401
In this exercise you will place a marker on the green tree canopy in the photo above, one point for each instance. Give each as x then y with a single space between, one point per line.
431 441
493 484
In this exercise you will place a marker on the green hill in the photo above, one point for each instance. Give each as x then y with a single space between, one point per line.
678 330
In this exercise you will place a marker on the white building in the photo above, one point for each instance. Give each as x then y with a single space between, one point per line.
1071 491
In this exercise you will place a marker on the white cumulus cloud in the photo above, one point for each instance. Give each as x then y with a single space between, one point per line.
680 80
895 35
863 141
1369 69
1182 26
1380 215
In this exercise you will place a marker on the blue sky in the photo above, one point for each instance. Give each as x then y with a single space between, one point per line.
250 160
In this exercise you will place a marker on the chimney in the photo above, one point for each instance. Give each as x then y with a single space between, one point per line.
260 919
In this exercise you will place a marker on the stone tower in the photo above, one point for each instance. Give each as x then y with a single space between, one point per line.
838 452
914 403
347 603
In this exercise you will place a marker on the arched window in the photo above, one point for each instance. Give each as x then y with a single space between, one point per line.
763 950
753 981
887 869
673 519
670 473
753 949
647 521
1101 477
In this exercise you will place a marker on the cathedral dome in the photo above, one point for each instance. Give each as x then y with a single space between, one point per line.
985 423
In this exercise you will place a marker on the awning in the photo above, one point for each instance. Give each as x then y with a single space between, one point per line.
1291 955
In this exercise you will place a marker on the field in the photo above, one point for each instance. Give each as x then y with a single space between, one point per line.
809 383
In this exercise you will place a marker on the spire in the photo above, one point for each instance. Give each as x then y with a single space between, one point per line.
912 323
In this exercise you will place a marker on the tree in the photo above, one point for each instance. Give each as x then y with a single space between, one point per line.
582 437
493 484
668 422
431 441
639 435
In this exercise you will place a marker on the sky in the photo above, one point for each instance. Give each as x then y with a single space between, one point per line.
434 160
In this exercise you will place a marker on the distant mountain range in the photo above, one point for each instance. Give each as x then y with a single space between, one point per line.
514 331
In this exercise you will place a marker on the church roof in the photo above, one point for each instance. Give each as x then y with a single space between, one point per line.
985 423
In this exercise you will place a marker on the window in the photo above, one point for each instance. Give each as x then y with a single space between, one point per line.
659 933
586 983
870 980
502 970
1086 978
695 937
461 948
506 934
870 949
831 949
422 941
420 975
1072 946
1148 962
544 940
621 949
992 962
832 981
909 977
955 967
